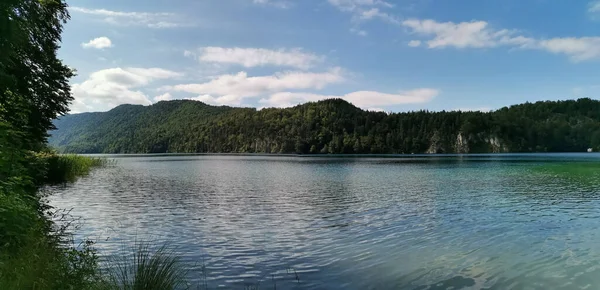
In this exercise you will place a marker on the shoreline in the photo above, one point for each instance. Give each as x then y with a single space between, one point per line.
535 154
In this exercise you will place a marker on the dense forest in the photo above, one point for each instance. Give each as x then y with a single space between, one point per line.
330 126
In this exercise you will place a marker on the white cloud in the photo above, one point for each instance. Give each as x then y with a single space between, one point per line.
163 97
288 99
232 89
352 5
255 57
154 73
365 99
279 90
376 13
461 35
228 100
359 32
364 10
368 14
370 99
480 109
164 24
594 6
478 34
283 4
474 34
108 88
151 20
578 49
414 43
518 41
189 53
98 43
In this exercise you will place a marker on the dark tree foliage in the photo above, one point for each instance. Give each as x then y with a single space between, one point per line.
34 86
34 90
330 126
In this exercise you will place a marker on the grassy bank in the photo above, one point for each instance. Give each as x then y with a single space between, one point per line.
67 168
36 253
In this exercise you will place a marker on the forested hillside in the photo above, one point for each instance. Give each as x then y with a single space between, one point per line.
330 126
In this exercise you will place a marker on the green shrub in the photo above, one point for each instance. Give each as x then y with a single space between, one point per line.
142 268
40 263
17 218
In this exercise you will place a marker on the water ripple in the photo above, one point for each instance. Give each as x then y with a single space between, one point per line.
351 223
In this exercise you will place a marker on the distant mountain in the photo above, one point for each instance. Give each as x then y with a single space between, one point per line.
329 126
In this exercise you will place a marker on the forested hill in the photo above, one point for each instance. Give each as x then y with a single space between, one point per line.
330 126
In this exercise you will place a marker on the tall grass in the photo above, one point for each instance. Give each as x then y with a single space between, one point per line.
35 252
142 268
66 168
41 263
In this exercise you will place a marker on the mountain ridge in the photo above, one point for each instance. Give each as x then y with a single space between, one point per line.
329 126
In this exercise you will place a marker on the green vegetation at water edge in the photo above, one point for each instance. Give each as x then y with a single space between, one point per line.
34 90
144 268
35 252
330 126
36 247
66 168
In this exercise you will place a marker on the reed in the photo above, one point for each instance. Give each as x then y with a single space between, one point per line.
67 168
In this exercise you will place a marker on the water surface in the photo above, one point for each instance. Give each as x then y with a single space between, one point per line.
404 222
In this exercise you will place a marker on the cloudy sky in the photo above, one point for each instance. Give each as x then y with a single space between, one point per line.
392 55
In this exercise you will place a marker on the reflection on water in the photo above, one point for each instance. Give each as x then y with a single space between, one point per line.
460 222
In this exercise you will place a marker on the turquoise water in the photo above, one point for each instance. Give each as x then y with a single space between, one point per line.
399 222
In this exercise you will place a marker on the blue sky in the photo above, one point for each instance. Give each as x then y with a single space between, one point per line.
378 54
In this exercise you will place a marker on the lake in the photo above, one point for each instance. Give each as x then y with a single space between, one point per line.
504 221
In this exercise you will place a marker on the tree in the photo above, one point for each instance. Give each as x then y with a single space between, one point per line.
596 140
32 78
357 148
334 127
